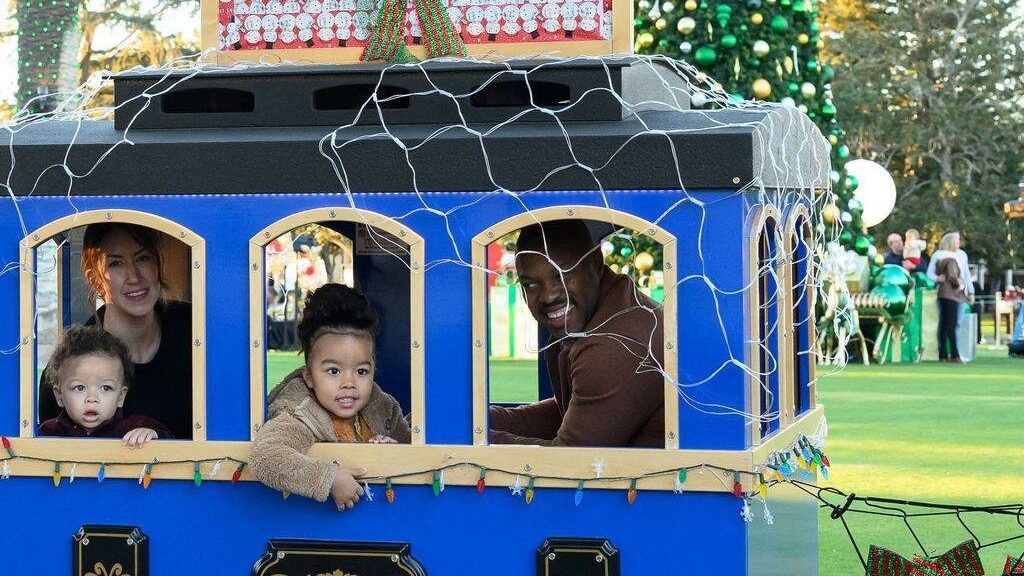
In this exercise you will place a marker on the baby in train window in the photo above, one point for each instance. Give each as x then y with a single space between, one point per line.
90 372
333 398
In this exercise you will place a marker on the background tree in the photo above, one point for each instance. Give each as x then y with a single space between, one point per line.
768 50
937 100
62 42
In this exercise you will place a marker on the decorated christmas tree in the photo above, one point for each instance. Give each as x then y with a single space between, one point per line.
765 50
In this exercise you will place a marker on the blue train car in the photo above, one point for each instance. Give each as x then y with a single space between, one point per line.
423 168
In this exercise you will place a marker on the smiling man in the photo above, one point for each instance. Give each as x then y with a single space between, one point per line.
604 356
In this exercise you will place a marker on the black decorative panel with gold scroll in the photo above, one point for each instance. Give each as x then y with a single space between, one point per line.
577 557
330 558
98 550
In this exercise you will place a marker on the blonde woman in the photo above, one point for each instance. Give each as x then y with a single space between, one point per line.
952 294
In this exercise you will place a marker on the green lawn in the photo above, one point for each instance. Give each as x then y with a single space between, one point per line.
926 432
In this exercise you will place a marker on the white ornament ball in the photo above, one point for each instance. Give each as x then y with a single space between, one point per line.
789 102
846 217
698 99
802 108
876 190
872 251
807 90
668 7
686 25
685 47
643 5
761 48
834 176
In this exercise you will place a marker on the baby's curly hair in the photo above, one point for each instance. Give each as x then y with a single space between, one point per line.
81 341
336 309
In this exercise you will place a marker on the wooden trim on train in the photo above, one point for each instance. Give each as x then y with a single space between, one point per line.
257 309
757 220
197 283
595 213
389 460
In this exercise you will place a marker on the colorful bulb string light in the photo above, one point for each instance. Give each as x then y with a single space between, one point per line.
803 455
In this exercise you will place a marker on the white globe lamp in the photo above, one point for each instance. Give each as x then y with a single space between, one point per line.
876 190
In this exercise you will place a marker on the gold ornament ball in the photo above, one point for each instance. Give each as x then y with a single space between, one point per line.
830 213
686 25
803 39
879 260
660 24
690 5
756 18
643 262
762 89
821 44
807 90
645 39
761 48
614 268
832 139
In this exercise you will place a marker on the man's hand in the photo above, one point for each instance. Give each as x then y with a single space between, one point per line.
345 490
382 439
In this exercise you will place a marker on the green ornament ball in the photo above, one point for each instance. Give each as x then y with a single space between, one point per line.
779 23
895 301
793 87
729 41
861 245
723 9
851 182
922 280
827 73
705 56
811 65
625 251
891 275
846 237
828 109
843 151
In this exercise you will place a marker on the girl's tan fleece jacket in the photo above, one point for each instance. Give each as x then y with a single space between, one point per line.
297 421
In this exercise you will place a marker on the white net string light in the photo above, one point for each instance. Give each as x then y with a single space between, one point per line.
775 183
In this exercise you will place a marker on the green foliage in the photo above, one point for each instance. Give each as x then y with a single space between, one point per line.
768 50
937 101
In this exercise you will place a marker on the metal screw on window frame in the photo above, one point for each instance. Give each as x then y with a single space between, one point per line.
255 266
130 542
671 435
280 555
85 541
416 429
478 430
478 343
394 558
551 556
668 265
527 467
599 558
570 212
108 216
415 343
196 342
735 179
333 213
255 343
196 265
199 426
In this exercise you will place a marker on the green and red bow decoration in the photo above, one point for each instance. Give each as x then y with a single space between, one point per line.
387 41
961 560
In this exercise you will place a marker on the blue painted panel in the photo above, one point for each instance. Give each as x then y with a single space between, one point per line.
224 528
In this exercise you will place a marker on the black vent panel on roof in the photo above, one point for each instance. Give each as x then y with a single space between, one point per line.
207 101
354 96
517 93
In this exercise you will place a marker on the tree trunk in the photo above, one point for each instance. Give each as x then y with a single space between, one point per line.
48 46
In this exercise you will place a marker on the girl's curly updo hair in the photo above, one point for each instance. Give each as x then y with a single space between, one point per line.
336 309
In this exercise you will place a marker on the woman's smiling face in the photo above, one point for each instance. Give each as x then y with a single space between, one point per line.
130 274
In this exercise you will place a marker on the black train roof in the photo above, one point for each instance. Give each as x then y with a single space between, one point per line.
237 132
